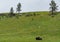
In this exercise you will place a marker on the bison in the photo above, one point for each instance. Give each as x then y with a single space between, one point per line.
38 38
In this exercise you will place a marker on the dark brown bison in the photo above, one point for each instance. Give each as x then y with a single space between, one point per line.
38 38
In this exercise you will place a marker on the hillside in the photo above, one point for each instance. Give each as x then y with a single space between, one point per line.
26 29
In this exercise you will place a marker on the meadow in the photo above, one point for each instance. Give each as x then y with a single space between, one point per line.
26 29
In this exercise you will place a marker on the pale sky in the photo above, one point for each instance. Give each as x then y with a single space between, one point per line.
27 5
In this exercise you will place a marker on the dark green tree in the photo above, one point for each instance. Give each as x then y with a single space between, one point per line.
11 12
53 7
18 7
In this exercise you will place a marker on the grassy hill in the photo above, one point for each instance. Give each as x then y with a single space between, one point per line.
26 29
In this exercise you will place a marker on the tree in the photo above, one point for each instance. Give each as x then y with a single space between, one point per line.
18 7
11 12
53 7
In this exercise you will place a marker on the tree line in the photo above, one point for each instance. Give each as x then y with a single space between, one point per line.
52 12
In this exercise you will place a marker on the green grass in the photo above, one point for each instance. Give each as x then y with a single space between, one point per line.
25 29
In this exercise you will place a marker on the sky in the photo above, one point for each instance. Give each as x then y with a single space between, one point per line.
26 5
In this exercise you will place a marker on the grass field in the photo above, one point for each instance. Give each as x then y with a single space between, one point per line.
25 29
